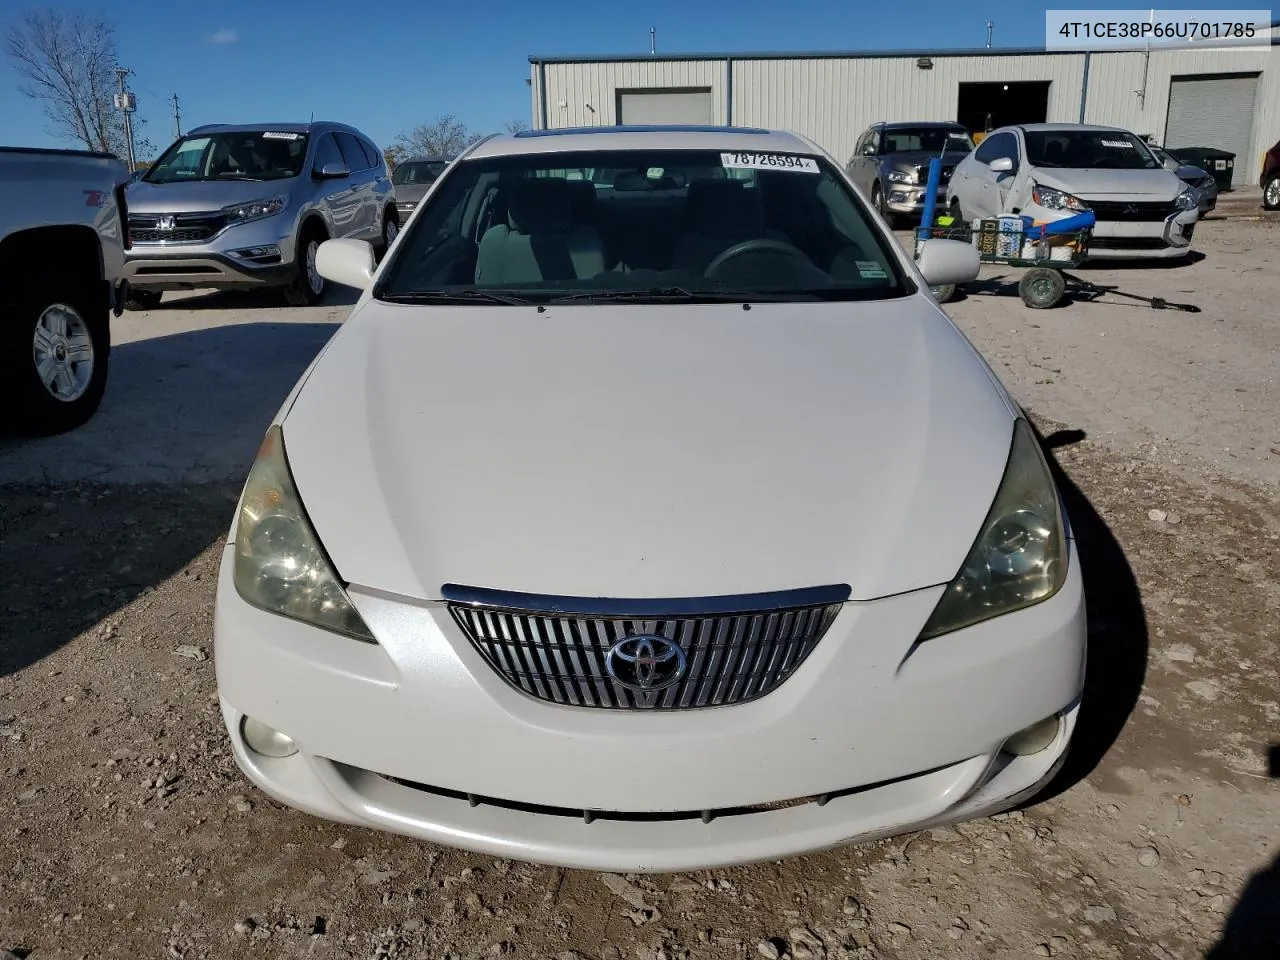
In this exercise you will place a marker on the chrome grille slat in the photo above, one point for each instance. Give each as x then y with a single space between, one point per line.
730 657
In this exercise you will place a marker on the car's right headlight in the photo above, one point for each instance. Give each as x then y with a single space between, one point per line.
279 563
1020 556
1053 199
901 176
254 209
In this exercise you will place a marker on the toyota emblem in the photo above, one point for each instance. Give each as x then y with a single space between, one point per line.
645 664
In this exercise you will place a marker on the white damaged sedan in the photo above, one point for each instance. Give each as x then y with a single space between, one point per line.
648 514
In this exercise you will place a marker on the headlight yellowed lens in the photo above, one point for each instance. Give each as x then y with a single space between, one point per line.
279 564
1020 556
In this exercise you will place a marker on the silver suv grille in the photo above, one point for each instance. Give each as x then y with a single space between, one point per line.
646 655
175 228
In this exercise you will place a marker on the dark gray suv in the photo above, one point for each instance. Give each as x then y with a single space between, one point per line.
248 206
890 164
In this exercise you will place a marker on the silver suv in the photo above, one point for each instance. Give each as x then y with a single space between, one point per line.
249 205
890 164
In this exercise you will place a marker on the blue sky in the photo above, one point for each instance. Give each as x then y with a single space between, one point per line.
387 66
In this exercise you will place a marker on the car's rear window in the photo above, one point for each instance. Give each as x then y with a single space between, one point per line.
717 223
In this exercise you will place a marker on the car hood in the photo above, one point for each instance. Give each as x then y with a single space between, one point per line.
1158 184
649 451
411 192
200 196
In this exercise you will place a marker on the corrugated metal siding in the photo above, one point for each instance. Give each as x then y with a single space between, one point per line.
1212 112
833 101
585 95
1116 78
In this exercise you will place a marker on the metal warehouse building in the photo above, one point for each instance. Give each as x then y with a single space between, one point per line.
1212 98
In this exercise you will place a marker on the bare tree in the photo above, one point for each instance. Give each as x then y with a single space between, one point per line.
67 61
444 136
517 125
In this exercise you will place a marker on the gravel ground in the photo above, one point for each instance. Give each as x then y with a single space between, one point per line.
128 832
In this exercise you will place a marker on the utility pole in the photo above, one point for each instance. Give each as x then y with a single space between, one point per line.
126 103
653 47
177 117
989 26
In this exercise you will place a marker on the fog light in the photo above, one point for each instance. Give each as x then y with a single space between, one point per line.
257 253
1039 736
264 740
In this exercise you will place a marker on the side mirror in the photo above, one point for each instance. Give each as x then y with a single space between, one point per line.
348 262
944 262
333 171
1170 164
869 150
1001 165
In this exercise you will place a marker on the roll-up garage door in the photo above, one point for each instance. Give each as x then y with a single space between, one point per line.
1213 112
664 106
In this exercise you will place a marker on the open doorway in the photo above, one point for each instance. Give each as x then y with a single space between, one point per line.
985 106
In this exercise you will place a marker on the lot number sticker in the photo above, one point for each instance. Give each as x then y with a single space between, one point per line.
274 135
768 161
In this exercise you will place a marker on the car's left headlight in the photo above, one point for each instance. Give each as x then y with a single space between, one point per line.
254 209
1188 199
901 176
1020 556
279 563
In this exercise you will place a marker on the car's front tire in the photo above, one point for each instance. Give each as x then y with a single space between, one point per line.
306 289
54 348
1271 193
882 207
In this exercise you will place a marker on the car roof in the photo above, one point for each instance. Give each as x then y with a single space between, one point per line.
949 124
1064 127
317 126
430 159
643 137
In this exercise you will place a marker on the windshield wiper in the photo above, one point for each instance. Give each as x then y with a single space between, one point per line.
454 297
234 176
672 294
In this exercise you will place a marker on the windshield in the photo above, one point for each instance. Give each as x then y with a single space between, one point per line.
1088 149
700 225
252 155
419 171
932 139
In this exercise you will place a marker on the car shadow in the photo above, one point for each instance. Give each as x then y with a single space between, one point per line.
1152 263
92 519
1118 639
1252 931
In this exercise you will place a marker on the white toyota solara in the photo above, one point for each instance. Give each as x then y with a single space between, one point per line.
648 514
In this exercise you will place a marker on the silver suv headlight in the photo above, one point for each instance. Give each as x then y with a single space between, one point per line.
1053 199
254 209
1188 199
1020 556
901 176
279 563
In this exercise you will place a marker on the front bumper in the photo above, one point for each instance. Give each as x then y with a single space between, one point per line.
419 736
1132 239
220 262
179 271
908 198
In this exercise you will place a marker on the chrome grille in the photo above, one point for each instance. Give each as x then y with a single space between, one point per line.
186 228
557 649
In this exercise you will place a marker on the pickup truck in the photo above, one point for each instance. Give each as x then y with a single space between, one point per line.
63 234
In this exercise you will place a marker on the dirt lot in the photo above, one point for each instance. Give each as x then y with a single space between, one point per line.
128 832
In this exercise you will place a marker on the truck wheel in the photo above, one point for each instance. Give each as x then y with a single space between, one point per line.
142 299
54 354
306 289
